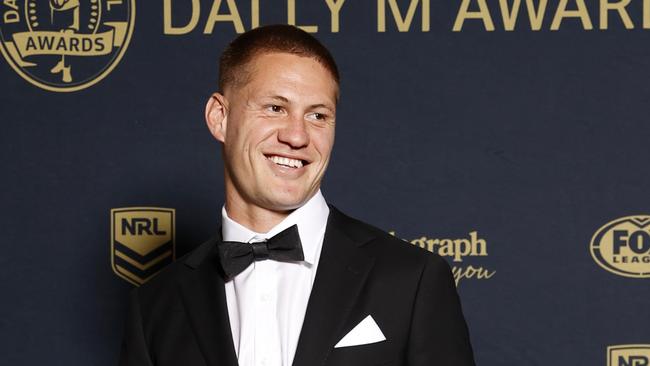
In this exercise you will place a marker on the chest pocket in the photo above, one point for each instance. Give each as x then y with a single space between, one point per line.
373 354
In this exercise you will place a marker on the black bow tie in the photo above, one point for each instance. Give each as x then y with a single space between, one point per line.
235 256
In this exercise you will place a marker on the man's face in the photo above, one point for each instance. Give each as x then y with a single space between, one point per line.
277 132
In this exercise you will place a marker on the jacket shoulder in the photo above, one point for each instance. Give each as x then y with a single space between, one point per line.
382 244
167 279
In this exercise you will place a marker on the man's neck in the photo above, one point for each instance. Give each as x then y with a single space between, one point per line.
257 219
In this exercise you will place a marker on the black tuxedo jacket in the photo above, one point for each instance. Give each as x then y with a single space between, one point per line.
180 317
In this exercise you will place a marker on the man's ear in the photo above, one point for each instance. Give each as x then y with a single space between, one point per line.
216 116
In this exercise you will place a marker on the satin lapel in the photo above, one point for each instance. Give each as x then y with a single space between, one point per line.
204 298
342 271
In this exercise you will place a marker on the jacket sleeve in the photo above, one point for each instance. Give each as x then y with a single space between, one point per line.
438 332
134 350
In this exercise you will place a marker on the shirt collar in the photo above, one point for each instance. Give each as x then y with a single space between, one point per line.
311 219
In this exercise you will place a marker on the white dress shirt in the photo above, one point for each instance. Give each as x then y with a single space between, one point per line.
267 301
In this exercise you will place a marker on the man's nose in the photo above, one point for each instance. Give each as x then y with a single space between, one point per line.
294 132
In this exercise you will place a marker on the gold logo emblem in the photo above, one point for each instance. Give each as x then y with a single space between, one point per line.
142 241
628 355
622 246
65 45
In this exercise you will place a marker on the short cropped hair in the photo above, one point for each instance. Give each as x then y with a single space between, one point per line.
269 39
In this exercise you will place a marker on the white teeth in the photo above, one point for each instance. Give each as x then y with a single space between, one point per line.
286 161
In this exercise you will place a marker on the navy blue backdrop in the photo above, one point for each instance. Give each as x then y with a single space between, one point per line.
530 140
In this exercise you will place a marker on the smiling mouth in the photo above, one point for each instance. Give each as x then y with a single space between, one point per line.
287 162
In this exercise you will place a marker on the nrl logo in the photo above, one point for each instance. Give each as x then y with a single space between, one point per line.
142 241
65 45
628 355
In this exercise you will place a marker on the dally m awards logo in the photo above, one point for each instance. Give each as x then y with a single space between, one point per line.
65 45
622 246
628 355
142 241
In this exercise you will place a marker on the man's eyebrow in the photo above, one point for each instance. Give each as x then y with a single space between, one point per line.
321 105
277 97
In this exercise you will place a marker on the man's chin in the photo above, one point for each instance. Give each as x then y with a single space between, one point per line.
285 206
288 202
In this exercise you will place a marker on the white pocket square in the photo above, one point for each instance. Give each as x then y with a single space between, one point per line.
367 331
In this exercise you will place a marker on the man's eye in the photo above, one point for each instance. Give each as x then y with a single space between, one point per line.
275 108
318 116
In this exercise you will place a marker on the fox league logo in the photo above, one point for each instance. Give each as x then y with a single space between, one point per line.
628 355
622 246
142 241
65 45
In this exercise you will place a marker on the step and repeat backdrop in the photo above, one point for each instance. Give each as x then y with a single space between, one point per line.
509 136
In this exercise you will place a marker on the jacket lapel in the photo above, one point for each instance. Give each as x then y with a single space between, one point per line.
342 270
204 299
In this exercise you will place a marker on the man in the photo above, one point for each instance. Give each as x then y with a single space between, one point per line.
290 280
